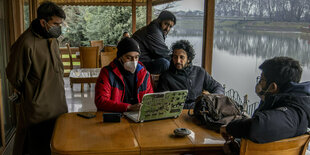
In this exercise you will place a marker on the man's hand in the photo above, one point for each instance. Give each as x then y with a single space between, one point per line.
134 107
205 92
224 133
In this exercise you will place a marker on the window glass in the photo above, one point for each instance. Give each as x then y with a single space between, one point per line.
248 32
107 23
26 14
189 25
8 111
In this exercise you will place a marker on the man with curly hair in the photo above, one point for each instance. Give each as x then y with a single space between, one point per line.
183 75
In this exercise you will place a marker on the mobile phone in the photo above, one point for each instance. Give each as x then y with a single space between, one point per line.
87 115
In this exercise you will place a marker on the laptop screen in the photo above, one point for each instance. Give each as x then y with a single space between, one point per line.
162 105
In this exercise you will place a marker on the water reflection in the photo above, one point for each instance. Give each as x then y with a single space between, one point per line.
264 45
237 55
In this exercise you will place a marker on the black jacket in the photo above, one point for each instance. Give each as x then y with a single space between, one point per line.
283 115
193 78
151 40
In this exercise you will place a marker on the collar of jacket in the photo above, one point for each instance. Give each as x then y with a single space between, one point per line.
156 22
37 29
184 71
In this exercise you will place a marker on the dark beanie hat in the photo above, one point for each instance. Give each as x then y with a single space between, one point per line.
167 15
127 45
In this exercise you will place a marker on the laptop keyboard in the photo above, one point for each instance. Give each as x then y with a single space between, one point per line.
133 114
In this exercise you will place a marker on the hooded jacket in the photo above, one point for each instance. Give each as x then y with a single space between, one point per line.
110 87
193 78
151 40
283 115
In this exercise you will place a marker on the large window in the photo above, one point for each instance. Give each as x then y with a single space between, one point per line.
248 32
7 110
107 23
26 14
189 25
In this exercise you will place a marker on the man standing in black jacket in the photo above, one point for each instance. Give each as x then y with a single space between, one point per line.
284 110
183 75
155 54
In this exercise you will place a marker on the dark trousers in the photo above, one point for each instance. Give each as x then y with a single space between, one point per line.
157 66
38 138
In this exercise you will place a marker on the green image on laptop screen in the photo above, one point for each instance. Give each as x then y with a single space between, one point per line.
162 105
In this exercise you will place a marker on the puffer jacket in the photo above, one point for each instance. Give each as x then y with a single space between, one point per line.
110 87
193 78
283 115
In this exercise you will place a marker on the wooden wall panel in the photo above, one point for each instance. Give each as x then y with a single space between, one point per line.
208 35
16 19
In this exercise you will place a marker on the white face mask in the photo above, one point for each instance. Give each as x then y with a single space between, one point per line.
131 66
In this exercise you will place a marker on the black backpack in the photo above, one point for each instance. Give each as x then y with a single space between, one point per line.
213 111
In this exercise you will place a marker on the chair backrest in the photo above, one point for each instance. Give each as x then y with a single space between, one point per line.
108 55
70 55
89 57
154 80
290 146
98 43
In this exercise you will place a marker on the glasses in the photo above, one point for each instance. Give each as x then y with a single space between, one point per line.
259 79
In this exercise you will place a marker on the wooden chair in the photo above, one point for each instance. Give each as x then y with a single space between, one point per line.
108 55
89 57
155 80
291 146
70 55
71 61
98 43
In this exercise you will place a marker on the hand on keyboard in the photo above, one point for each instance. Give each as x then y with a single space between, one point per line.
134 107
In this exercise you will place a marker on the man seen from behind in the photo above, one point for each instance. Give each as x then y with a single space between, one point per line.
284 110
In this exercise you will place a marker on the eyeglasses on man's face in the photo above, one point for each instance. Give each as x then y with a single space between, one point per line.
259 79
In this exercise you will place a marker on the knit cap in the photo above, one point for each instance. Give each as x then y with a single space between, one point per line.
127 45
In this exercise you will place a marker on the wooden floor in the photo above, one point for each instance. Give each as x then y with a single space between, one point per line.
80 101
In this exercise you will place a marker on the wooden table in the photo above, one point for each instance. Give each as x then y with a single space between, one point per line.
76 135
84 75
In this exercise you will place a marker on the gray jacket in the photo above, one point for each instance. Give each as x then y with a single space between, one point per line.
193 78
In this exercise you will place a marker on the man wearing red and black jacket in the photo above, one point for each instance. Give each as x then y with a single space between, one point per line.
121 85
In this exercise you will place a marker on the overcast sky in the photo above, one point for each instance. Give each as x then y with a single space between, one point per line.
186 5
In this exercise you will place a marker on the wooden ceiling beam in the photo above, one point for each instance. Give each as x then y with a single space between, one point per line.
99 4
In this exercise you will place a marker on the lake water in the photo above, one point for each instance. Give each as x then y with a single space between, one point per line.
237 56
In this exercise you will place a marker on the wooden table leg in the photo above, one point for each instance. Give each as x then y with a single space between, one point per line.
82 87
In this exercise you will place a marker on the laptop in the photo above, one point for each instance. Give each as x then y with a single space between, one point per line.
161 105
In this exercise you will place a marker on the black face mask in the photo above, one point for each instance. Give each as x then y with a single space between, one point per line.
263 92
54 31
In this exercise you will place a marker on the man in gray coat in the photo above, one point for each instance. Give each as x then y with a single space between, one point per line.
183 75
155 54
35 71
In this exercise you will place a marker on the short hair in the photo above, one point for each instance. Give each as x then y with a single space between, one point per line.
167 15
281 70
48 9
186 46
125 32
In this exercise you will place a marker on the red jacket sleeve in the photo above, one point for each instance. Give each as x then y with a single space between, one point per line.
149 85
103 91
